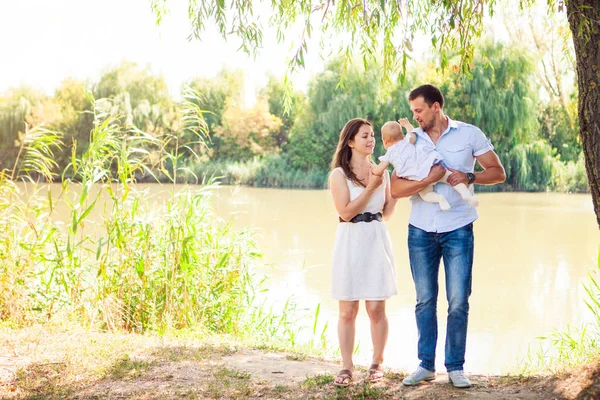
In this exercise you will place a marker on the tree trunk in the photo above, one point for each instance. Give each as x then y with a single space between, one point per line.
583 19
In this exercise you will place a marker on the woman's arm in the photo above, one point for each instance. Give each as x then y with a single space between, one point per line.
341 195
390 203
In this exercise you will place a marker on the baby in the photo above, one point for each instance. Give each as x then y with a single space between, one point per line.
414 163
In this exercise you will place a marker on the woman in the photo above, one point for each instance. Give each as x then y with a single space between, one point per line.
363 260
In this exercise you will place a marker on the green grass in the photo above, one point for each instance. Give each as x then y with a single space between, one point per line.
230 373
126 368
570 347
296 357
170 268
317 381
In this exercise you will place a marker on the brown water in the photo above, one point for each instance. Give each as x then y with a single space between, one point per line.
532 254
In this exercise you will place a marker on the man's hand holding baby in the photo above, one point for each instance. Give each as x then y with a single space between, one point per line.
436 173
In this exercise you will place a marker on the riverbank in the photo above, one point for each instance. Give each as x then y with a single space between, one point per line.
51 363
276 171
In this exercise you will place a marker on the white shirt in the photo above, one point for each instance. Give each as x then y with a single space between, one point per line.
459 144
410 161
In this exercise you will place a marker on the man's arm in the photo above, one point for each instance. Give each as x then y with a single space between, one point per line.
406 188
493 171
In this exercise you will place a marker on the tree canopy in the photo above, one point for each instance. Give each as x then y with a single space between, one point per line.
383 32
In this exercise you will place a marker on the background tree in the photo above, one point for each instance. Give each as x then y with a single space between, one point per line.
275 94
386 30
77 119
313 139
20 107
546 38
245 133
139 83
213 94
499 97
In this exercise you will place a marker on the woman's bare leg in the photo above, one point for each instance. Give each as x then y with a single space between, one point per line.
347 331
379 328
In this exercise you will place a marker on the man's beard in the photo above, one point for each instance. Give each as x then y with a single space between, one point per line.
426 125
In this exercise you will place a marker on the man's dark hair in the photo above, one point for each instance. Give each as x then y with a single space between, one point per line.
430 94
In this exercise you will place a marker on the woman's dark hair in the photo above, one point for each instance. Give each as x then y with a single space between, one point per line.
343 152
430 94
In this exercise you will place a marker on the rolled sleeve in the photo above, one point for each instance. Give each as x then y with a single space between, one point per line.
481 144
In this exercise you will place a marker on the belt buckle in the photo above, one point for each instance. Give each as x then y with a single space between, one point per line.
370 217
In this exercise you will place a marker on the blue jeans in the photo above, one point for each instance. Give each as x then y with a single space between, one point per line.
425 250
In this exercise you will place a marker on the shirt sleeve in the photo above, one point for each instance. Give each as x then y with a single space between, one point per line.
387 157
481 144
397 156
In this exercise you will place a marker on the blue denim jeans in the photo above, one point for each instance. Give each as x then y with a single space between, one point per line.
425 250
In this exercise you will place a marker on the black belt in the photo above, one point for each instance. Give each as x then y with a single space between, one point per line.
365 217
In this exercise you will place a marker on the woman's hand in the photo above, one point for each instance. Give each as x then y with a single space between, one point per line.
374 181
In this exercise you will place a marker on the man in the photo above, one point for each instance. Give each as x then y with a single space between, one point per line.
434 234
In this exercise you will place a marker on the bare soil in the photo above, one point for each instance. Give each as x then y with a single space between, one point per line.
40 364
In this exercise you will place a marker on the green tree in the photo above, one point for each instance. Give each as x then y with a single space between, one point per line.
546 39
213 94
20 107
499 98
139 83
246 133
315 135
138 96
330 106
385 30
77 119
560 128
275 94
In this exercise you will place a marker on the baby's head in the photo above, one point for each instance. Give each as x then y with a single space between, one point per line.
391 133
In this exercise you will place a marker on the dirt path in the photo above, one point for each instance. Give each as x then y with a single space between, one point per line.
105 366
258 375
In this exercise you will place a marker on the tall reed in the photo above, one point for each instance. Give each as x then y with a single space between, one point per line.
145 266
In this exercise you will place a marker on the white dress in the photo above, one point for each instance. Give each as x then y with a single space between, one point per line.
410 161
363 259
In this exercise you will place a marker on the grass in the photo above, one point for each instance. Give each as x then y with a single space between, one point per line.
126 368
229 373
143 267
318 381
564 350
118 299
57 362
148 272
296 357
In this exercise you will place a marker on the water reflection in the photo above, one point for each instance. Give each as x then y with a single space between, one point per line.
532 254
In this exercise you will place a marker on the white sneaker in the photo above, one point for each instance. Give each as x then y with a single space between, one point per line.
420 374
459 379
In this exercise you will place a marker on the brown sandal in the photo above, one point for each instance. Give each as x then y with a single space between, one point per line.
343 378
375 373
